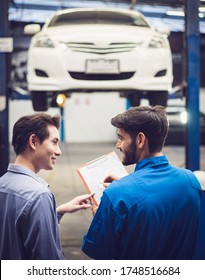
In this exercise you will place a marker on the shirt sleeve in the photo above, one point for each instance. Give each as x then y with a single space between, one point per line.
39 230
102 240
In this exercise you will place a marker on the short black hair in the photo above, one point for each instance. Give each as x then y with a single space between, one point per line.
32 124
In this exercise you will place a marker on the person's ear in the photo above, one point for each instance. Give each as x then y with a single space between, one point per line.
32 141
140 140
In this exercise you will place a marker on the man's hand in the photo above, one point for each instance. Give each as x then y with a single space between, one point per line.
109 179
81 202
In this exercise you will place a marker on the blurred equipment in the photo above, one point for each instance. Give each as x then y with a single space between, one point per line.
178 118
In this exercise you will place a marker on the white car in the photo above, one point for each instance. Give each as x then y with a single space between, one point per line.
98 49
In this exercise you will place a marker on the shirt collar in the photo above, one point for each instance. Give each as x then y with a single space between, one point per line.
25 171
151 162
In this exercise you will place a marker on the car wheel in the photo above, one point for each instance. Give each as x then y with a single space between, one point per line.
134 100
158 98
39 100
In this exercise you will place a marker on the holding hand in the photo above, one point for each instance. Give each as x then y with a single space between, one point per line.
109 179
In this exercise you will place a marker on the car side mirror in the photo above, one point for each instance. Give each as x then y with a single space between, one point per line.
31 29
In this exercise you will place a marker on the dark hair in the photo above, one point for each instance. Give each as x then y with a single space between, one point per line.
152 121
32 124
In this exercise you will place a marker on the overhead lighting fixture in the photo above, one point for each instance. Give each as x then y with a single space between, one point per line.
182 14
201 9
175 13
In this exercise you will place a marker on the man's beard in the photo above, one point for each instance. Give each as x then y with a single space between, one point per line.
130 154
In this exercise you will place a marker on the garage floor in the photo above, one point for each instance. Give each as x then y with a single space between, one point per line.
66 184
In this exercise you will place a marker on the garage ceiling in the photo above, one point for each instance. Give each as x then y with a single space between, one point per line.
170 3
159 12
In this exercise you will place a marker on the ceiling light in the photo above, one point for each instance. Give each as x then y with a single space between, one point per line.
175 13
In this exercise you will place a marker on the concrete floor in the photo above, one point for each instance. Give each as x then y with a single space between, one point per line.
65 183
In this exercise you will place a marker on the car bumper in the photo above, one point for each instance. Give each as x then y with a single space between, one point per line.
67 72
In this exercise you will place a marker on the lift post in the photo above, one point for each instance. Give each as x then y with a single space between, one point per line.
192 41
5 46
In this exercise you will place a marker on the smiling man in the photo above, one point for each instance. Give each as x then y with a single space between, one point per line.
28 216
153 213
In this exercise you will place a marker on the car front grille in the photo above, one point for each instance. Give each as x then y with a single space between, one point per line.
101 77
101 49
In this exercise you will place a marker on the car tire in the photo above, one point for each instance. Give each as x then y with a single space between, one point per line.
39 100
158 98
134 100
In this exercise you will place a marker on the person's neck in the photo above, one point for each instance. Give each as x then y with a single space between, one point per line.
23 161
158 154
148 154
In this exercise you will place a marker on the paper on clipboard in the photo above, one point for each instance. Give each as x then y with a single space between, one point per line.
94 172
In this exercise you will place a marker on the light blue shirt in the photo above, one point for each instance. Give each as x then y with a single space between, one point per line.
29 228
152 213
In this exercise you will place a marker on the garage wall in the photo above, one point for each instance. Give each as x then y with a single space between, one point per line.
86 116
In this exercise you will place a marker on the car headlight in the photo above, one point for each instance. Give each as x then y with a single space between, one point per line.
157 42
43 42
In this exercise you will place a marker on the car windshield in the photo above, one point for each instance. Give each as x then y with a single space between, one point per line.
98 17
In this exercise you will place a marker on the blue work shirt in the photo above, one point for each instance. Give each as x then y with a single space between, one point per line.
29 228
152 213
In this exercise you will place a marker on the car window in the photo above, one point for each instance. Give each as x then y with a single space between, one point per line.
98 17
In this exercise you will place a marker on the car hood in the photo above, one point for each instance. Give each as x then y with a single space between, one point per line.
105 34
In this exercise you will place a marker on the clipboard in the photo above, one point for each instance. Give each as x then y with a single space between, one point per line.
94 172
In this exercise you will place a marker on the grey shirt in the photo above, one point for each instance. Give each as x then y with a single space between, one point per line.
29 227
